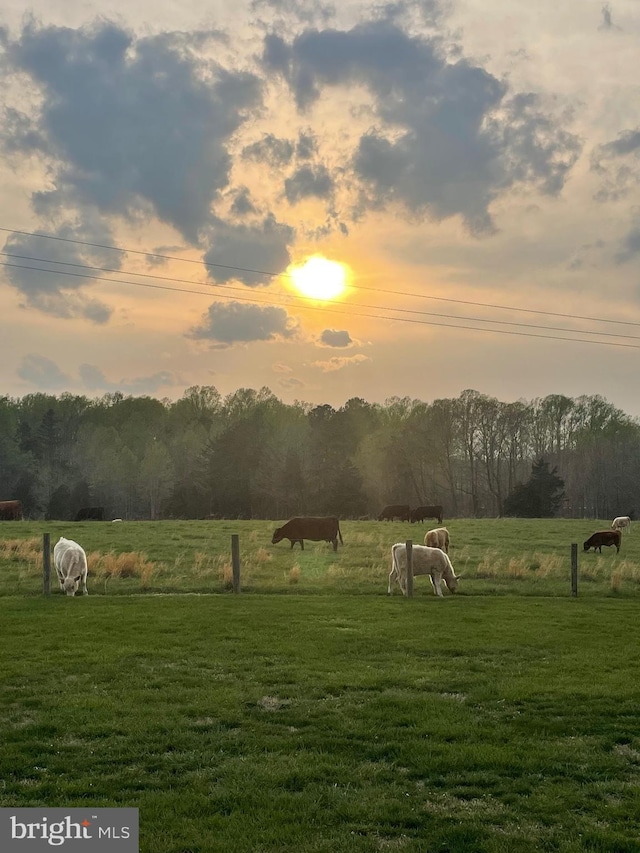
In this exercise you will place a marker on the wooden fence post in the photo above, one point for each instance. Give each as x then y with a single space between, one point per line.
46 563
409 547
574 569
235 561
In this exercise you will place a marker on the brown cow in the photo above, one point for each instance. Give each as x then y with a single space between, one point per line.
10 511
399 511
422 512
603 537
437 538
315 529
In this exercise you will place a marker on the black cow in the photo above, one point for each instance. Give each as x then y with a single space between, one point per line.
315 529
603 537
399 511
90 513
422 512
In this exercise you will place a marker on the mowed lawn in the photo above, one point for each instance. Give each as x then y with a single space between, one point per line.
329 723
315 713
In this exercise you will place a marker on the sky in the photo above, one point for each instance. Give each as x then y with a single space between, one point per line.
473 166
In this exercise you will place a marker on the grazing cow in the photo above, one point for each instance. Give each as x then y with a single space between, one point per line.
425 561
399 511
422 512
70 561
10 511
90 513
603 537
437 538
621 522
315 529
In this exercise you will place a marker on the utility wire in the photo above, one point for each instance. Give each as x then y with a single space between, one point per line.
287 275
350 312
291 296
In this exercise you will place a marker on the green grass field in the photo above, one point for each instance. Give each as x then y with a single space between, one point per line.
313 712
505 556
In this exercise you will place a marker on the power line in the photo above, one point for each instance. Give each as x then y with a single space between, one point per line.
291 296
287 275
352 313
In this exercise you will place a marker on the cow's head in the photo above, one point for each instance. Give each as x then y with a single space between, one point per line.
277 536
71 584
586 546
452 583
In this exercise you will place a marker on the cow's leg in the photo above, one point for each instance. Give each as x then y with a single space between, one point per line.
60 578
436 580
335 544
85 591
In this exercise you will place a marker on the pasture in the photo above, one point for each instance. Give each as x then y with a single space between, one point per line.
315 714
496 556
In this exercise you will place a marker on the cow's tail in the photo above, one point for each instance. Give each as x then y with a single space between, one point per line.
340 534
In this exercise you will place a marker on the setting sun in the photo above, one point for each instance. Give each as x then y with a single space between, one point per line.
320 278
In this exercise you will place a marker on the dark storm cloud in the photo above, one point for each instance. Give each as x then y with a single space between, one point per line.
307 182
617 163
449 137
239 248
228 323
336 338
131 125
48 272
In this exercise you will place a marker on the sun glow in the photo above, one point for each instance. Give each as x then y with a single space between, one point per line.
320 278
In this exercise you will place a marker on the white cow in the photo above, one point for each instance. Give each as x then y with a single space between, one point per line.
437 538
425 561
621 522
70 561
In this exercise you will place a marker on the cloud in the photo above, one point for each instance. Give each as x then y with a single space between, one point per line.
307 182
290 382
607 19
274 151
336 338
618 165
338 362
281 368
307 11
243 247
449 136
46 375
48 272
630 245
235 322
94 379
42 372
130 125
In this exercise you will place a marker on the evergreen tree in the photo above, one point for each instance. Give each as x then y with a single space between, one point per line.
540 497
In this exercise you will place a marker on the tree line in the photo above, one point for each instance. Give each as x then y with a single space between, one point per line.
250 455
